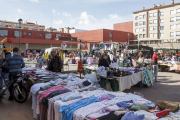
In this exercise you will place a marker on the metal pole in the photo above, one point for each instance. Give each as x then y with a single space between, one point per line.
19 37
80 57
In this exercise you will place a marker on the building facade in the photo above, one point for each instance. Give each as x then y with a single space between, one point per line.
26 25
160 24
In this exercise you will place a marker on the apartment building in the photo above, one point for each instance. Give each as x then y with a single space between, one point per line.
25 25
158 24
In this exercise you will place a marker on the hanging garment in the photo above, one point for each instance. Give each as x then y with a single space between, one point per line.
102 45
93 46
84 45
63 45
68 110
107 45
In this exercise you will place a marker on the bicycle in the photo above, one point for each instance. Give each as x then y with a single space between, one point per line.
19 94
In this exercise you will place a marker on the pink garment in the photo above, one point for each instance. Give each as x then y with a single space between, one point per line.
104 97
48 91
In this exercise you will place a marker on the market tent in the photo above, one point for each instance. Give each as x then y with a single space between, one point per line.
7 40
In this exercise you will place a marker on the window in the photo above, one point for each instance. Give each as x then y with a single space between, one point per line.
155 34
178 41
150 15
136 36
40 34
140 17
144 29
150 35
161 34
110 34
136 42
150 22
172 34
162 41
155 14
140 29
172 19
144 35
144 16
161 21
177 10
172 26
136 18
151 42
177 25
144 23
110 40
178 18
25 33
150 28
145 42
29 33
172 41
155 21
140 23
136 24
156 42
178 33
154 28
137 30
140 35
161 27
161 14
37 34
172 12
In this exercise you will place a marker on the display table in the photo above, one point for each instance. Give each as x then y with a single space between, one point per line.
127 81
90 68
175 66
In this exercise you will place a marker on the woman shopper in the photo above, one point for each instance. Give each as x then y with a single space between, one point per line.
103 61
140 60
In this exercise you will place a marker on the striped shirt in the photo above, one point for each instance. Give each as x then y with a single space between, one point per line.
14 63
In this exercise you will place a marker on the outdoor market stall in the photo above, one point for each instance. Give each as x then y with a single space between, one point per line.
81 99
7 40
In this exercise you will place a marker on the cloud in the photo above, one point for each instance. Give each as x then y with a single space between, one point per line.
34 0
19 10
54 11
66 14
58 22
86 19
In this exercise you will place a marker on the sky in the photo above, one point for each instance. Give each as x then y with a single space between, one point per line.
81 14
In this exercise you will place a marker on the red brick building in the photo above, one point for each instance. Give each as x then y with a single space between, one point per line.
103 35
126 26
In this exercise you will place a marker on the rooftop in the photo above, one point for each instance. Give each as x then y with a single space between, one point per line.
160 6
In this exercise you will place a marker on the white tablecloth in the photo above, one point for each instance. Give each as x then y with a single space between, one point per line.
128 81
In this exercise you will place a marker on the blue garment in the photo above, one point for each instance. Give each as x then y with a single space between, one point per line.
14 63
125 104
5 78
132 116
68 110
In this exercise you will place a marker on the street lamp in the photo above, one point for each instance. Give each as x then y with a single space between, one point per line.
20 20
128 38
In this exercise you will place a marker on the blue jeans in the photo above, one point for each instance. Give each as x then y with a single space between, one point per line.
4 77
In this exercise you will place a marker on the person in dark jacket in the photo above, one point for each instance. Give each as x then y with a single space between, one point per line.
56 62
103 60
5 71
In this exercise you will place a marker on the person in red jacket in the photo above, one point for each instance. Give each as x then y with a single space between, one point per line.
155 64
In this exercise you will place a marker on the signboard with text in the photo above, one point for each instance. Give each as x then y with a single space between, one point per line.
3 33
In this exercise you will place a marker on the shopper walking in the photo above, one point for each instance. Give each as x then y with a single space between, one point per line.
56 62
155 64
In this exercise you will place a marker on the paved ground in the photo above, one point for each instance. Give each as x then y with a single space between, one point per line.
167 89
